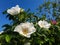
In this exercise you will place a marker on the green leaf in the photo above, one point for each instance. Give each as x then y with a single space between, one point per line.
0 43
5 12
54 5
52 39
8 38
46 39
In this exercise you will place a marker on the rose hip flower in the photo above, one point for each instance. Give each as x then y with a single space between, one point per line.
54 22
44 24
15 10
25 29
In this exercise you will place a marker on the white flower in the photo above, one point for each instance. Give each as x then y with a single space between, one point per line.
15 10
27 43
44 24
1 32
25 29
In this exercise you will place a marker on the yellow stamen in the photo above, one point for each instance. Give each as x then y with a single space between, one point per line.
25 31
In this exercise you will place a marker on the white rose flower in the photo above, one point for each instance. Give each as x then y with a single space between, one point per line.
1 32
15 10
44 24
25 29
27 43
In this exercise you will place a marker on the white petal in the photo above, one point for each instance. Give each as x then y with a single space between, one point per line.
27 43
29 26
1 32
28 36
14 10
43 24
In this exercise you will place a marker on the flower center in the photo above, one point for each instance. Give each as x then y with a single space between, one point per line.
25 31
42 25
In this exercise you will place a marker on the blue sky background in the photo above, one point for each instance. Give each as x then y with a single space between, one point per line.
26 4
